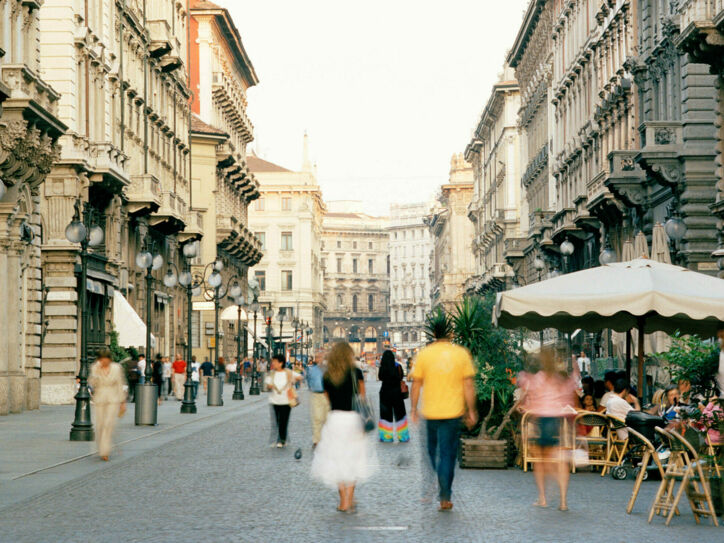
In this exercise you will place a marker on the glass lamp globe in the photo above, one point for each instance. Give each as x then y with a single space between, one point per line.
554 274
675 228
253 284
254 307
538 264
184 278
218 265
157 262
75 232
144 260
235 290
567 248
607 256
196 291
170 279
96 236
189 250
215 279
239 300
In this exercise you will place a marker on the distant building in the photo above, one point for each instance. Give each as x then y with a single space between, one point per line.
410 248
356 263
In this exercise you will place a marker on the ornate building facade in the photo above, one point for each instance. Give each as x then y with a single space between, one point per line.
410 248
452 259
288 220
356 264
29 131
495 208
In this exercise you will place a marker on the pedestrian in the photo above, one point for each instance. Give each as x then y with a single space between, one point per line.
220 368
158 376
444 372
392 403
318 402
280 382
207 370
195 370
247 369
549 396
341 458
109 399
166 377
230 370
132 378
141 368
584 364
179 376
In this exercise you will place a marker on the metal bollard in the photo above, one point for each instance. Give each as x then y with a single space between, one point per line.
146 405
214 392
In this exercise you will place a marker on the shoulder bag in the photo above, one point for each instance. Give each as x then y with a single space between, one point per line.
362 406
404 389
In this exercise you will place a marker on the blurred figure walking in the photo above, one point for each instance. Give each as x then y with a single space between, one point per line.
179 376
444 372
341 459
280 382
392 402
549 395
319 403
109 399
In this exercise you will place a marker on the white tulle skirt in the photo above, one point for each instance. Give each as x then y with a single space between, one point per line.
343 454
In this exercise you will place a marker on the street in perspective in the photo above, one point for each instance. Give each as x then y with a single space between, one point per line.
280 271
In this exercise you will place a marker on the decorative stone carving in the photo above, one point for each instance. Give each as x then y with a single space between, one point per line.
664 136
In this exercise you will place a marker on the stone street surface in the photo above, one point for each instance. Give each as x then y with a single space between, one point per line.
222 482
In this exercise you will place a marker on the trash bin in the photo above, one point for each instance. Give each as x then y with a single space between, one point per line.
215 390
146 405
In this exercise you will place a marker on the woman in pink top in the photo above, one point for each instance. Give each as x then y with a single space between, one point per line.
549 395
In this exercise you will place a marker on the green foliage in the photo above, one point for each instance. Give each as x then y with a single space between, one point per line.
119 353
695 360
437 324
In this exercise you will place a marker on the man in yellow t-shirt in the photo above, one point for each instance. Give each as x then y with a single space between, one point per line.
444 371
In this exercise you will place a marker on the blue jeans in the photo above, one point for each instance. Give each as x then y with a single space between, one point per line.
442 447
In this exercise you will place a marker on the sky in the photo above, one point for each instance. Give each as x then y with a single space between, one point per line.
387 90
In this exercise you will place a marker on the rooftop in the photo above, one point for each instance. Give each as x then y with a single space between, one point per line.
256 164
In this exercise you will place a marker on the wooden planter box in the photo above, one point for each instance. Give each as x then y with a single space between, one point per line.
483 453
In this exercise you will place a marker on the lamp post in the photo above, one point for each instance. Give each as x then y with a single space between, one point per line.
254 386
309 341
80 231
567 249
147 392
282 317
676 229
268 313
538 264
238 385
608 255
296 323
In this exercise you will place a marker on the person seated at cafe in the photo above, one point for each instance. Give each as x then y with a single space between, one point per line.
670 410
657 403
609 380
588 403
687 397
587 385
618 404
599 389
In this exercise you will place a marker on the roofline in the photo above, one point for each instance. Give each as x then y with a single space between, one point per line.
498 88
530 21
210 135
223 17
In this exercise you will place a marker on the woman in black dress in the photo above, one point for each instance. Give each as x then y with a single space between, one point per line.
392 403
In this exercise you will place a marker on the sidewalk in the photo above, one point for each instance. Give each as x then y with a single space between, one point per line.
36 454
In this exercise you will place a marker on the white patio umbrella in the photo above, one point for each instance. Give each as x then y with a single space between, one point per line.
641 246
627 253
660 245
642 294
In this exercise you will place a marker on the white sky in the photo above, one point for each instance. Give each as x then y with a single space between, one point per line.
387 89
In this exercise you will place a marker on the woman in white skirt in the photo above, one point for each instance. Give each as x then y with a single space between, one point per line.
341 457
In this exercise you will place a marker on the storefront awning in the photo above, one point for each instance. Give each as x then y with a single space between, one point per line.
130 327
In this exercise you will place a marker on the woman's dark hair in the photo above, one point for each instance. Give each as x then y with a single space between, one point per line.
104 353
587 384
280 358
599 389
388 366
593 399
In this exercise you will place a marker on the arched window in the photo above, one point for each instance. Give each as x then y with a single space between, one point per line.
354 303
339 301
371 303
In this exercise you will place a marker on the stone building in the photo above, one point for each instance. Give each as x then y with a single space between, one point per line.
222 181
495 207
29 130
287 218
410 248
452 260
356 266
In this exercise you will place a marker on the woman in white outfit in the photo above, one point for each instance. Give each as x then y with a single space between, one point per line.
280 383
108 383
341 458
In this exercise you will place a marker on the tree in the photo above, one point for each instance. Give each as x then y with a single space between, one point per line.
694 360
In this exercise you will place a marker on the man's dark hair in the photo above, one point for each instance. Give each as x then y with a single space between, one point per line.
620 385
280 358
599 389
104 353
610 377
621 374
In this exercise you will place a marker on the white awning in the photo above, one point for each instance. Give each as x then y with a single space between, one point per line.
130 327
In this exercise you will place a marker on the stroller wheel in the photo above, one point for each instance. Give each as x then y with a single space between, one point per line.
619 473
636 471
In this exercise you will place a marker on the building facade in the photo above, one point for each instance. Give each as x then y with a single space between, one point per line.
452 259
30 127
223 183
287 218
356 267
496 205
410 249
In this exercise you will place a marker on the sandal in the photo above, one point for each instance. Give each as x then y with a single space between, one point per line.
540 504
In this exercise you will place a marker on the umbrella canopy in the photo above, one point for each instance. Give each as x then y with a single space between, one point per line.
641 246
231 313
642 294
628 251
660 245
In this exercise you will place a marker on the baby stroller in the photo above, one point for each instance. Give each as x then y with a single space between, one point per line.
642 425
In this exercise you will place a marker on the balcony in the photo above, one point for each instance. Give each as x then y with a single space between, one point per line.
143 194
108 164
231 99
513 248
194 227
169 218
564 223
626 180
701 25
163 45
661 143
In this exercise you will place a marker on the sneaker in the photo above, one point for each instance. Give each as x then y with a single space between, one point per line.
280 445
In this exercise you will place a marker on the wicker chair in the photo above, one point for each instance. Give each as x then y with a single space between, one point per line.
711 450
619 446
648 454
529 435
592 443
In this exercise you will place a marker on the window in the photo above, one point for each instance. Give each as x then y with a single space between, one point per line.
286 204
287 241
339 301
287 283
262 238
371 266
354 265
288 313
259 204
354 245
371 302
260 276
370 245
339 265
339 245
354 303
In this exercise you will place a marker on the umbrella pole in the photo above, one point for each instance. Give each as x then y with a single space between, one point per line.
642 377
628 355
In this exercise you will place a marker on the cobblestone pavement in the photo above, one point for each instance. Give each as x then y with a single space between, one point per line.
224 483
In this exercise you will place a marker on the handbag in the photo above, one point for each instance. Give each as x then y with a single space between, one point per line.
404 389
291 392
362 407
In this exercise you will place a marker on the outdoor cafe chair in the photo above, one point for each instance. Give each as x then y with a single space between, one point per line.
686 467
711 450
618 446
649 453
597 445
529 435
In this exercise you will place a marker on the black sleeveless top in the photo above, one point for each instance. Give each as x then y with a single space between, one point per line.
340 396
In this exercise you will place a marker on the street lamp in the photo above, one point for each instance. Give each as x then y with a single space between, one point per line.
282 317
309 341
146 395
254 289
79 231
268 314
608 255
297 324
567 249
676 229
238 385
